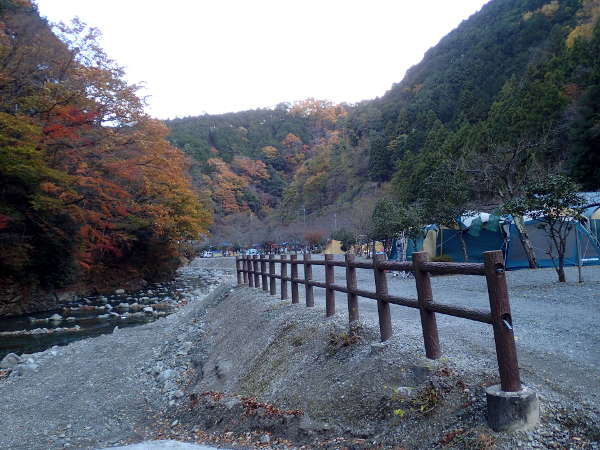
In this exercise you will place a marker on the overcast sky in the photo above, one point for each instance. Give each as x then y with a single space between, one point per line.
217 56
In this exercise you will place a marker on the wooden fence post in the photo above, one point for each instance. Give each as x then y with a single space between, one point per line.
245 267
425 296
263 270
294 274
329 292
256 272
238 269
272 280
383 307
310 299
250 272
351 285
284 291
506 350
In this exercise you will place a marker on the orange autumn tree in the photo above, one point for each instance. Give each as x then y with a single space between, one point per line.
87 179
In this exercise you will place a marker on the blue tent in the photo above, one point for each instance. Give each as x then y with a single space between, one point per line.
448 243
412 245
484 232
580 246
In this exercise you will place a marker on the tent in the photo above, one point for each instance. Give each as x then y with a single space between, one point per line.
592 214
483 232
334 248
581 247
404 248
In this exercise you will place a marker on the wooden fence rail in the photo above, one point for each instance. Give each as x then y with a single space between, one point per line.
253 270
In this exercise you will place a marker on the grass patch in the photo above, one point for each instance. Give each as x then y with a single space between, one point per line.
337 341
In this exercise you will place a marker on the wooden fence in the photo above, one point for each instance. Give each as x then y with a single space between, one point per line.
252 271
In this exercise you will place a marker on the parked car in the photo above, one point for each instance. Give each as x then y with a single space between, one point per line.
207 254
251 252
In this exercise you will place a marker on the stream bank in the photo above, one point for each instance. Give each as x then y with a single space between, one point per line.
88 316
97 392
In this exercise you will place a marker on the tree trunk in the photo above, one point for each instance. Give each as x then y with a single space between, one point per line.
527 245
463 245
560 270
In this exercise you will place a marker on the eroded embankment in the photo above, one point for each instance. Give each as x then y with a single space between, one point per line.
284 370
286 375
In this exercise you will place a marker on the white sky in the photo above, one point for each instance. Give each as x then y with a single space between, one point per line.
216 56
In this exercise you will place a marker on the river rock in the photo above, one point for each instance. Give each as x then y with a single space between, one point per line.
108 307
123 306
35 321
10 361
178 393
148 310
39 331
103 316
55 318
70 319
119 291
163 307
135 307
166 375
26 369
232 402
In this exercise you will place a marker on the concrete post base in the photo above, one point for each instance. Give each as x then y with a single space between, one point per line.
512 411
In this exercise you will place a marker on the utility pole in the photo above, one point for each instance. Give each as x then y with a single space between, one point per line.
334 221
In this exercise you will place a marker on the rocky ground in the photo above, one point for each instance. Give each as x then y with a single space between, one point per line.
100 391
242 369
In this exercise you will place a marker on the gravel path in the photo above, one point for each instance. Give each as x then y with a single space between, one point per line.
97 392
556 324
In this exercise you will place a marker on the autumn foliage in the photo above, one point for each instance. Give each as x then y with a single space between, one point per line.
89 186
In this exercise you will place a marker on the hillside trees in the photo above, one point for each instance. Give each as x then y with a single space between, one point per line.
88 182
507 98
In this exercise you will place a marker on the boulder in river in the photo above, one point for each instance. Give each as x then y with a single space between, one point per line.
35 321
148 310
119 291
123 306
55 318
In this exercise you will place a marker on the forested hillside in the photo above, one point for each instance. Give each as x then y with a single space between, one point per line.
511 94
90 190
247 159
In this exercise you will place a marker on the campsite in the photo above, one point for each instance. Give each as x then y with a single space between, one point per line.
299 225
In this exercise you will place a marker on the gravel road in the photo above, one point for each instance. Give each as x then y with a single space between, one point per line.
556 324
